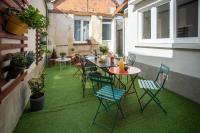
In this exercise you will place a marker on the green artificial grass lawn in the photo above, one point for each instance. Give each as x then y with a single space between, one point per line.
66 111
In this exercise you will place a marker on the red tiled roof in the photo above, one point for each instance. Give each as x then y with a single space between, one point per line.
91 6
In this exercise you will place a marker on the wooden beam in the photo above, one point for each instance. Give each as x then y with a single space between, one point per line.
12 4
11 87
2 10
20 3
12 46
11 36
4 58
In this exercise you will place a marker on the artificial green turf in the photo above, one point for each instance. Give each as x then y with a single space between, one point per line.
66 111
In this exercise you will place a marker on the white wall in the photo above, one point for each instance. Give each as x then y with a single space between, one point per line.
61 32
182 61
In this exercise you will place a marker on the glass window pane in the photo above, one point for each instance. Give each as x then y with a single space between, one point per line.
147 25
106 31
187 18
77 30
163 21
85 30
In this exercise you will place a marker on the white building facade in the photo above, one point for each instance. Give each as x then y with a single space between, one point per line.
168 32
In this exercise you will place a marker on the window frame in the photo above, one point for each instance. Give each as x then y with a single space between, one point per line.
173 40
82 20
110 23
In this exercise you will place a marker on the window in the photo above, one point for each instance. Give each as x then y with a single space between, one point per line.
106 30
163 21
147 24
81 30
187 18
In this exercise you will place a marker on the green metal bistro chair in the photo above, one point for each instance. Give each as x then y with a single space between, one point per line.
108 96
86 70
152 88
130 60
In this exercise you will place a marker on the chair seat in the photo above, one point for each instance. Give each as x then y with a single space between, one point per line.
148 84
107 93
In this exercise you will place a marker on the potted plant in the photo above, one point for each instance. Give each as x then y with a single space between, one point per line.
17 65
37 97
30 17
104 49
30 58
72 50
62 55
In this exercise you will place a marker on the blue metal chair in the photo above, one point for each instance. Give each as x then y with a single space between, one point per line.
152 88
107 95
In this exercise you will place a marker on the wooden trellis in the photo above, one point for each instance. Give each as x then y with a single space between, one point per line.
38 49
7 87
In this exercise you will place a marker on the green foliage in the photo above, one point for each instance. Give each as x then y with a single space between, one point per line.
32 17
44 34
104 49
37 84
30 56
72 49
44 43
19 59
62 54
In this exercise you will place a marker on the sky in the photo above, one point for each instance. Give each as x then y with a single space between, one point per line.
120 1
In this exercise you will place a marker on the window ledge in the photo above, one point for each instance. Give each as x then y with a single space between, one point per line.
79 44
189 46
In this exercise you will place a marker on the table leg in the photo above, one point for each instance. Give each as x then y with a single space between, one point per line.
133 78
60 65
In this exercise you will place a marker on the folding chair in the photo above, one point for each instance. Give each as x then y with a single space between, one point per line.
77 63
87 69
108 96
130 60
152 88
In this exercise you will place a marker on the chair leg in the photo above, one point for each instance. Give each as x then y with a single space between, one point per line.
155 99
97 111
120 108
114 121
83 86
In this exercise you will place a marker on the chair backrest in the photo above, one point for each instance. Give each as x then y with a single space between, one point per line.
162 75
82 61
131 59
100 81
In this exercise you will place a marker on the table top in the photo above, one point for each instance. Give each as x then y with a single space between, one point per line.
63 59
131 71
105 64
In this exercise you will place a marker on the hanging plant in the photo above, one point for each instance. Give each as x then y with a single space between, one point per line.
30 17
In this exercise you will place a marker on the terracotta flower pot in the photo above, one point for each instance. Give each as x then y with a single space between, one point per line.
16 26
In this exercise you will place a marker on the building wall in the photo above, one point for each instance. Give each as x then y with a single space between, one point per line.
61 32
13 105
184 78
